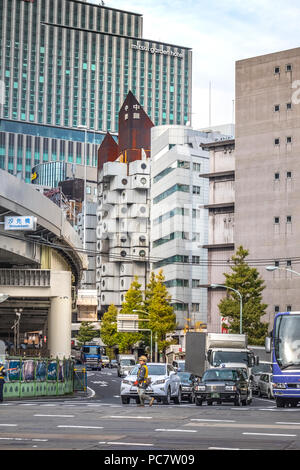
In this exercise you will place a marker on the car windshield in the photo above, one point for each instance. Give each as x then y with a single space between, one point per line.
286 341
184 376
225 374
154 369
256 370
223 357
127 362
91 349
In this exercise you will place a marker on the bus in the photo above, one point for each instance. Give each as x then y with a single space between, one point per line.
284 345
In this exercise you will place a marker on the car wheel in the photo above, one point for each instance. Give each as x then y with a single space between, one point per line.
198 401
191 398
177 399
280 403
125 400
167 399
237 401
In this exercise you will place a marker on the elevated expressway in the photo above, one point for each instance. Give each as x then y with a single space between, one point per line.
40 270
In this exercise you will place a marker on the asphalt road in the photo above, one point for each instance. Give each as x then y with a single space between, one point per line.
99 421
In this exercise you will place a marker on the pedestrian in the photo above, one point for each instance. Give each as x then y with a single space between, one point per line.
143 383
2 380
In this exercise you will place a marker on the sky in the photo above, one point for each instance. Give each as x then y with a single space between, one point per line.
220 32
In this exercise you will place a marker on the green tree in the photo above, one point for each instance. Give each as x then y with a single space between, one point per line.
162 319
108 332
133 301
248 282
86 333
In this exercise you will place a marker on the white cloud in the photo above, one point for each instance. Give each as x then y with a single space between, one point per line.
220 33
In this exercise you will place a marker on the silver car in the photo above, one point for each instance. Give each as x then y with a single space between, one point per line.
165 384
265 386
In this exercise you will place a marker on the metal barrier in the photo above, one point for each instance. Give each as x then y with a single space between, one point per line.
80 380
33 377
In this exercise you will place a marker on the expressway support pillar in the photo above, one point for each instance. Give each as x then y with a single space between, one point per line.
59 327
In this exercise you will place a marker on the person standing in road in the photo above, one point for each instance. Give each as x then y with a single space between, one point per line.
2 380
142 384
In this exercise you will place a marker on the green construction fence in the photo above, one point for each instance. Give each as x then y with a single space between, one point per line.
37 377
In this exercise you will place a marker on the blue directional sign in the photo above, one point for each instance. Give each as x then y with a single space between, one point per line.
19 222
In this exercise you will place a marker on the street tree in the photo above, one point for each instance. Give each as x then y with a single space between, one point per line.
248 282
133 301
108 332
162 319
86 333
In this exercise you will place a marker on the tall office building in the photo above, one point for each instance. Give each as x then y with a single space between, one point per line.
179 218
66 67
267 172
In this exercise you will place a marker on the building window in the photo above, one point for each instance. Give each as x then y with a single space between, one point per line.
276 176
288 174
277 141
288 263
277 107
289 140
277 69
196 189
276 220
288 67
276 309
288 308
288 219
289 106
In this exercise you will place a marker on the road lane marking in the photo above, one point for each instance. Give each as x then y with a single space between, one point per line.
214 420
175 430
79 427
8 424
268 434
56 416
131 417
127 443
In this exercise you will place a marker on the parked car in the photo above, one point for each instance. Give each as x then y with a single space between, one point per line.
263 367
187 386
223 385
165 384
265 386
113 364
105 361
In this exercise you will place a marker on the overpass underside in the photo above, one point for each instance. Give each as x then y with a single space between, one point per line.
44 299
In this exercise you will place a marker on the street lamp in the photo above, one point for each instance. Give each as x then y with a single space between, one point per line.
273 268
241 301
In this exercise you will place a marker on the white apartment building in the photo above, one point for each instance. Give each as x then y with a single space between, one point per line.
179 217
122 229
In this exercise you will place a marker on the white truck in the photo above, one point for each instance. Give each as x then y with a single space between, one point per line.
125 363
207 350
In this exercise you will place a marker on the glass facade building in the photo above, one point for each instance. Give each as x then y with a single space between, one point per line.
66 64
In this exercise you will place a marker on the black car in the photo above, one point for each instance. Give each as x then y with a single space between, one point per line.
187 386
223 385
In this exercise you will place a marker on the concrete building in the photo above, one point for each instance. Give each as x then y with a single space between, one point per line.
40 267
221 216
268 172
179 218
66 67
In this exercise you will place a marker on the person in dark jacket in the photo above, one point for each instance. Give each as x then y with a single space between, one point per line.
2 380
142 384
